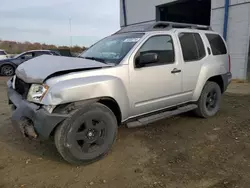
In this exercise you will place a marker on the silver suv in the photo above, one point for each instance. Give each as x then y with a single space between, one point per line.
139 75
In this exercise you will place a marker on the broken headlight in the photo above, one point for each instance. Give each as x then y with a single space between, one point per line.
37 92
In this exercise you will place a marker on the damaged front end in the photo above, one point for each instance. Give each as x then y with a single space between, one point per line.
32 119
27 128
34 96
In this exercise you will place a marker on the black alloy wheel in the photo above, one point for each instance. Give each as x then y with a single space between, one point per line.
209 101
87 135
212 100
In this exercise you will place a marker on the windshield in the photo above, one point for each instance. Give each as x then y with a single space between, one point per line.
112 49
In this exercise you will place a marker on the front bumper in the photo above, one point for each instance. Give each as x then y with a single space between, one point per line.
31 119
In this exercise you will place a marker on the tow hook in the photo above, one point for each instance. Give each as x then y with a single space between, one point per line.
27 128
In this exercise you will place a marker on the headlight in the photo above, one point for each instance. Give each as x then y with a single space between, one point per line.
37 92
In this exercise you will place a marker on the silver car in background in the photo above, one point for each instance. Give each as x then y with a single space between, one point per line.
3 54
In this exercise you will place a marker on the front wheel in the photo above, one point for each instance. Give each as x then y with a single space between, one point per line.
210 99
7 70
87 135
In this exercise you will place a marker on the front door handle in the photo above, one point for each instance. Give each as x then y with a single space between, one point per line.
175 70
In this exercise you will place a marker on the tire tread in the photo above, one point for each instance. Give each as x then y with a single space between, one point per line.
201 111
61 131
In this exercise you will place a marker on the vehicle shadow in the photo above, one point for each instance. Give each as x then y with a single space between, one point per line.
37 149
17 142
47 150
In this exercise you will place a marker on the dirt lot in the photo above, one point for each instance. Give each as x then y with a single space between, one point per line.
183 152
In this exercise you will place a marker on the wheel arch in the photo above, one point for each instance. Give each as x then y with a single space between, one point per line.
201 83
113 106
109 102
219 80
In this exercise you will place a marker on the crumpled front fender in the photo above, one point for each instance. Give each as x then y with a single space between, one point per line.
80 89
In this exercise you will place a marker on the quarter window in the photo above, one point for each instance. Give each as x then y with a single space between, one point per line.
163 46
217 44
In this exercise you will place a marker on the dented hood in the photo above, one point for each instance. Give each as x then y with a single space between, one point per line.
38 69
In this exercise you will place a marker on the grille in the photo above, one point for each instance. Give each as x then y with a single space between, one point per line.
21 87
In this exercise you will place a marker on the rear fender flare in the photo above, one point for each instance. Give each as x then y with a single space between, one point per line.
206 72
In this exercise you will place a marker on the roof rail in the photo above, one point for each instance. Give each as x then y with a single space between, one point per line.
160 26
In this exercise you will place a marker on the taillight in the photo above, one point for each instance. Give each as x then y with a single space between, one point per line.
229 63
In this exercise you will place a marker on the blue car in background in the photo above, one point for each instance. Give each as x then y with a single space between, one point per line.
8 66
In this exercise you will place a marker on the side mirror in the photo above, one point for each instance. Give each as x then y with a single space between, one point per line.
23 57
147 58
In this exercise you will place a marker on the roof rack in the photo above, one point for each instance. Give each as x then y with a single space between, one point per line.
160 26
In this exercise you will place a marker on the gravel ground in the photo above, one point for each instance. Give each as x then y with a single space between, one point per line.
179 152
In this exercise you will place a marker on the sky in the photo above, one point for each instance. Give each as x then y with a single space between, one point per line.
47 21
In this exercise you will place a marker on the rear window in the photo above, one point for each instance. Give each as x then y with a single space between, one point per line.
217 44
2 53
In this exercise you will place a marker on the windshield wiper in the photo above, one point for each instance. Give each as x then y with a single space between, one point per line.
95 59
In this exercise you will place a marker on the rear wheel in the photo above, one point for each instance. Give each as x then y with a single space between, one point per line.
87 135
210 99
7 70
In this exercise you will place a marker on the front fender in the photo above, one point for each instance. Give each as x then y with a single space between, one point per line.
93 87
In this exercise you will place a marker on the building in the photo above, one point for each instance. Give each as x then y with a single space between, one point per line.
231 18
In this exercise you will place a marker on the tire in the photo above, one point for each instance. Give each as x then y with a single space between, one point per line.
210 99
7 70
88 135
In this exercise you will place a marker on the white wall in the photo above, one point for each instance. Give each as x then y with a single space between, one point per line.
121 14
221 3
142 10
238 26
237 37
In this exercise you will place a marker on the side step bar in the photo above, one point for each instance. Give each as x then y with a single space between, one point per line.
150 119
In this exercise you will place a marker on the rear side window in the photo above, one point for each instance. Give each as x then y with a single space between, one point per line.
192 46
217 44
200 45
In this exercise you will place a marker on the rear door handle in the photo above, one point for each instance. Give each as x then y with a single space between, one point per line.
175 70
